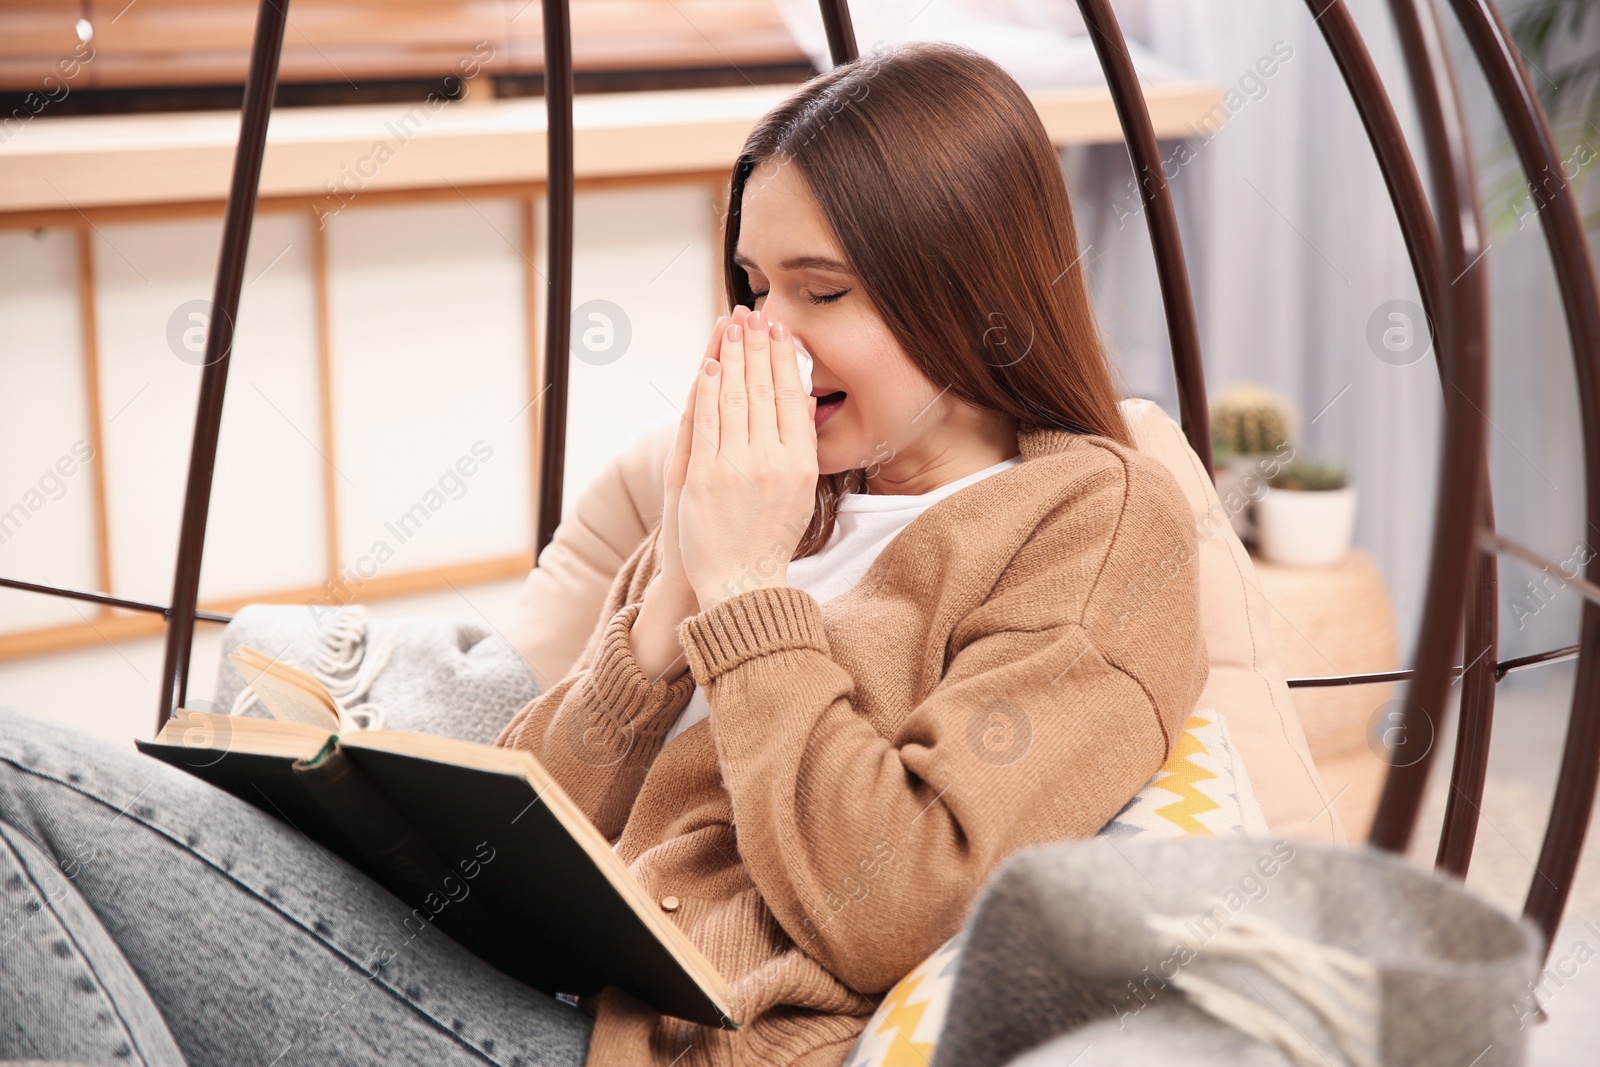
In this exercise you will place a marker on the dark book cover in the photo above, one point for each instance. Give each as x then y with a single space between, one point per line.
477 853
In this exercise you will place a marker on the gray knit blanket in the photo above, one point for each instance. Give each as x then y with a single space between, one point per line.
1236 952
427 674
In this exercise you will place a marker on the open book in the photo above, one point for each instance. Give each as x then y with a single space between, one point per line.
480 841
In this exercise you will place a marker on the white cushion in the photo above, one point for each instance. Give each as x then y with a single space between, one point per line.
1246 677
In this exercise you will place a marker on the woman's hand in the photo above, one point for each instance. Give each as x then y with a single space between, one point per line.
676 588
750 488
669 598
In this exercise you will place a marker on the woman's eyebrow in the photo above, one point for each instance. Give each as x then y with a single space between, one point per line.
798 263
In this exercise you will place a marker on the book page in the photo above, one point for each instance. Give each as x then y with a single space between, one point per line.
197 731
285 691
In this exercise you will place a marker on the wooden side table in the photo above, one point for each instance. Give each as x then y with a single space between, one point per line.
1337 620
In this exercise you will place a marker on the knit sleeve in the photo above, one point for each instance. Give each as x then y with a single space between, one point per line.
1058 703
598 729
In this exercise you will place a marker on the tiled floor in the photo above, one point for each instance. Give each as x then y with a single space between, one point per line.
1531 711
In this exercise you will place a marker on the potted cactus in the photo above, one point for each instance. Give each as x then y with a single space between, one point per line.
1308 514
1250 429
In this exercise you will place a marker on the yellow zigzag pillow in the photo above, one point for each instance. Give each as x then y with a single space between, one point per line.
1202 790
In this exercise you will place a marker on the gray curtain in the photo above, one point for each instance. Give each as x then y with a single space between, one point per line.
1293 251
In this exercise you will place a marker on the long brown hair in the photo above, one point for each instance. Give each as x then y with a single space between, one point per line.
947 197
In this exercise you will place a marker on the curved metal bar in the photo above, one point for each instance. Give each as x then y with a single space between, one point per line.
559 190
1463 352
259 85
1422 245
841 33
107 599
1470 771
1178 300
1410 201
1580 294
1501 669
1537 659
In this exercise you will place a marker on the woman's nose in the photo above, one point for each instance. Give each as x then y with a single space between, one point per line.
772 310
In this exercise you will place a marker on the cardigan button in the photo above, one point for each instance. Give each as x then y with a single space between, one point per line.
669 903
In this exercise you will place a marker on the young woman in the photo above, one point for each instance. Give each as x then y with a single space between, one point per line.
883 637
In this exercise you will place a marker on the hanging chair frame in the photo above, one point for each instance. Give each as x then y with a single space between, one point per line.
1445 245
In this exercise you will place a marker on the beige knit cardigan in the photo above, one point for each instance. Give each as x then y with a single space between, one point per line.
1009 671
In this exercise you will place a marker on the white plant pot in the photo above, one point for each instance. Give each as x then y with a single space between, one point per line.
1305 528
1241 482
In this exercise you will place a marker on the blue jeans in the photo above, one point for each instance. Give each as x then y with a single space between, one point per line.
147 917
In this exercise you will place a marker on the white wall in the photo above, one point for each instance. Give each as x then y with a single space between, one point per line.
46 511
427 327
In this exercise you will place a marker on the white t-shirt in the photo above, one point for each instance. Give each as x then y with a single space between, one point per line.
863 527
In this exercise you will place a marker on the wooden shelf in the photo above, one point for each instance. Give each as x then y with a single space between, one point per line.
73 163
204 42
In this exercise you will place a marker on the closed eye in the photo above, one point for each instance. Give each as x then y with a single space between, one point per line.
819 298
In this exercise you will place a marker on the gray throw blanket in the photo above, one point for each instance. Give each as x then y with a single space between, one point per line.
448 677
1245 952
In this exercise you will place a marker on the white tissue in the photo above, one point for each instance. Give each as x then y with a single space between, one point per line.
804 359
